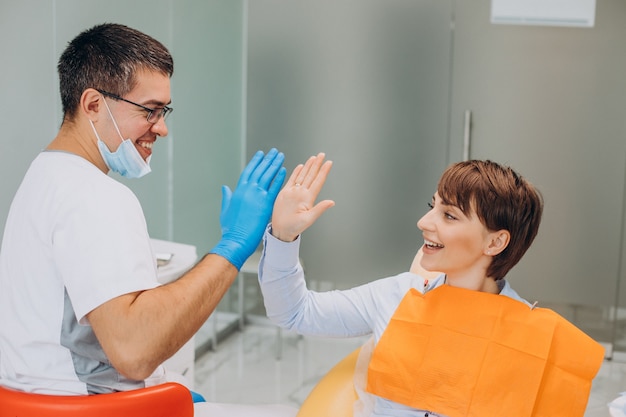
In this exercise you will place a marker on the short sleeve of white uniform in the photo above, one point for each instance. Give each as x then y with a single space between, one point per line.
101 245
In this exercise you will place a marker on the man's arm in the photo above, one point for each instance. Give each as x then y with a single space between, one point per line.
139 331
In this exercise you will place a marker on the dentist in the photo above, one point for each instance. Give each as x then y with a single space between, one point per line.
82 311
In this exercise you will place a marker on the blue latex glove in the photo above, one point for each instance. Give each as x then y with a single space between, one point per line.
247 211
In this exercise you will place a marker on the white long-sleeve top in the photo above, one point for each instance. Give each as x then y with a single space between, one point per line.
362 310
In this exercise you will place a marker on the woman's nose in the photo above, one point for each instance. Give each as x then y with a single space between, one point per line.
424 223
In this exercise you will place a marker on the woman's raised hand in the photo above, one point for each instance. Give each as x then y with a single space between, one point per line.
295 209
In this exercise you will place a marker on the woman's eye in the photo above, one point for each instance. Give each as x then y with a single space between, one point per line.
450 216
431 206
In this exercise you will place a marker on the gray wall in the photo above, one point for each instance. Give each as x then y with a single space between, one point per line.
551 101
367 82
383 86
181 197
379 86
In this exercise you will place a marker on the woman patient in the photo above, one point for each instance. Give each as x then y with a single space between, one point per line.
458 343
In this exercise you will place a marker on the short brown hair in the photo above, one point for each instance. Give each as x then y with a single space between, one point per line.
502 199
108 57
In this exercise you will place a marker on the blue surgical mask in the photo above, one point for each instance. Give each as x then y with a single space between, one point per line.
126 160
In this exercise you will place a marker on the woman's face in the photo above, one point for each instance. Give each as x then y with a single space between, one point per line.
454 243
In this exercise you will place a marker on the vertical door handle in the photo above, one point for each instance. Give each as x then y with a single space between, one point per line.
467 135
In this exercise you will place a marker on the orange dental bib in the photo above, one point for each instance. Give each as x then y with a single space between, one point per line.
465 353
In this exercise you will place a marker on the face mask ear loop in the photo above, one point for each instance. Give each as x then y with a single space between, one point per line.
112 119
93 127
94 130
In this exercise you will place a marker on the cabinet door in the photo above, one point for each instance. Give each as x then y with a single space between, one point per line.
367 82
551 102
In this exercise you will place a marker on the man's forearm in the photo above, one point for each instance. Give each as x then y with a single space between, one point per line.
139 331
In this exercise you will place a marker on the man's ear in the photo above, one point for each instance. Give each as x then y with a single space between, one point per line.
91 104
498 241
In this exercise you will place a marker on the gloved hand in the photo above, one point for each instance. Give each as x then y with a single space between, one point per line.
247 211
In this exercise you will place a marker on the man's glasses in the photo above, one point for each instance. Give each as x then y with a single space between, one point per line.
153 114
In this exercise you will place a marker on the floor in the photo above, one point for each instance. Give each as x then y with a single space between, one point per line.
259 365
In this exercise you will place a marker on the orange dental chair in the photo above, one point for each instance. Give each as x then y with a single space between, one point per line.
165 400
334 395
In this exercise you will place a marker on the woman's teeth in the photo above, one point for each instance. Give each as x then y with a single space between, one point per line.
147 145
432 244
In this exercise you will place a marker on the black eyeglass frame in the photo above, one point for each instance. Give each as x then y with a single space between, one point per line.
159 112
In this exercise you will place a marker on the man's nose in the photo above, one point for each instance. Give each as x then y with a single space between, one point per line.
160 127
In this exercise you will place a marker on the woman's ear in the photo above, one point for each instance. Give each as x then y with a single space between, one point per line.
498 242
91 104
